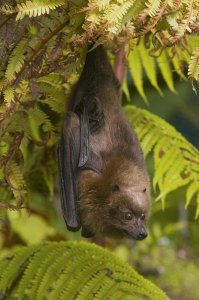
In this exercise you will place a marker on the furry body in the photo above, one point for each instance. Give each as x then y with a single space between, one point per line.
107 176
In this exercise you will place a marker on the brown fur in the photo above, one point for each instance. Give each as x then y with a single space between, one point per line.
102 209
104 156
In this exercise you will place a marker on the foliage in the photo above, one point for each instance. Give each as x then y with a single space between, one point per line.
42 48
37 272
41 54
175 159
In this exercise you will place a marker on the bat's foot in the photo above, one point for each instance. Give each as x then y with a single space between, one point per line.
86 233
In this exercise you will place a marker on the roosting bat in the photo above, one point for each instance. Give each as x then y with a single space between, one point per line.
104 182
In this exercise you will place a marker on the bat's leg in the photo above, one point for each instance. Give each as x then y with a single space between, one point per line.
86 232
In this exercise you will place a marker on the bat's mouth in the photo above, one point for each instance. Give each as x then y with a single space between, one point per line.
136 236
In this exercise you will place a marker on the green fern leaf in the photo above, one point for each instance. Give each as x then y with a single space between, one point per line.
105 274
165 69
193 70
9 95
37 118
116 15
149 66
17 263
31 271
165 162
16 59
175 159
177 66
37 7
191 191
148 142
197 210
136 71
16 176
153 6
49 277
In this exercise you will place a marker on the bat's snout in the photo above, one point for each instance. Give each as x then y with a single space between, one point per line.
141 235
138 235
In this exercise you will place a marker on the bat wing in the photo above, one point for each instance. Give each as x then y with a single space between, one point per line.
69 154
74 155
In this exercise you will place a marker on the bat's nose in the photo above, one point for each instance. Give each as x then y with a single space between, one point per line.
142 234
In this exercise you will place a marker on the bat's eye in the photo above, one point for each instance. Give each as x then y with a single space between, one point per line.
144 190
115 188
142 217
128 216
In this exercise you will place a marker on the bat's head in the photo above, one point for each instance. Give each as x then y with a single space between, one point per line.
117 202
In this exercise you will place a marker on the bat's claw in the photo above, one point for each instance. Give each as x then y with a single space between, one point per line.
86 232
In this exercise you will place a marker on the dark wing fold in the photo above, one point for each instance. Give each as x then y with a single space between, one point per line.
69 153
84 137
75 154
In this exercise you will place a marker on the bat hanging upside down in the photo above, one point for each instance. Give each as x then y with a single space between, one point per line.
104 183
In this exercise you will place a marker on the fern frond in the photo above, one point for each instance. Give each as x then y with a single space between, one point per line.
16 59
191 191
38 118
8 95
15 177
148 63
117 13
7 9
37 7
193 70
153 6
105 274
17 263
165 69
136 72
176 160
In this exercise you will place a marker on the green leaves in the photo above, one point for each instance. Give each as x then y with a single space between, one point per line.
71 270
40 61
165 68
176 161
36 7
194 65
16 59
142 59
136 71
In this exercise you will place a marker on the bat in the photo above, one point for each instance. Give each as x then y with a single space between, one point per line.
105 188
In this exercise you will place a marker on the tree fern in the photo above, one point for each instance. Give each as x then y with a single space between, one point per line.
153 7
117 13
136 72
40 57
176 160
194 65
167 61
9 95
16 59
148 63
165 69
36 7
95 274
38 118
